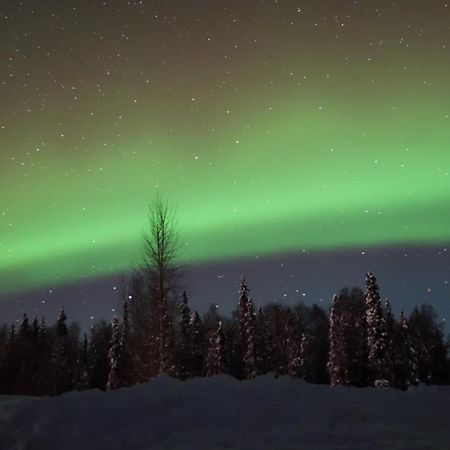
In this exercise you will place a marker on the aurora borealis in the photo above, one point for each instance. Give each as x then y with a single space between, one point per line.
271 126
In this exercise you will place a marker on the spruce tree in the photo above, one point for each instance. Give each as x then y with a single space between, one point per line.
215 363
247 329
405 362
116 375
196 346
63 369
125 345
25 355
36 357
376 338
388 328
304 357
45 352
184 351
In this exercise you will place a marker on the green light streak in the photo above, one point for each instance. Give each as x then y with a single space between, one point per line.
300 177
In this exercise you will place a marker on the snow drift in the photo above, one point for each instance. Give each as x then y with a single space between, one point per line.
223 413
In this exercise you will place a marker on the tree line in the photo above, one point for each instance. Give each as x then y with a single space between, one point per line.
358 342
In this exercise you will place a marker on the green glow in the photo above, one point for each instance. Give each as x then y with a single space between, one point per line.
329 155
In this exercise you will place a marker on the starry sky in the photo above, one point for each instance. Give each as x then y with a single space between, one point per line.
300 142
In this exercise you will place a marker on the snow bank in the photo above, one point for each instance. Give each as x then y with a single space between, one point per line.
223 413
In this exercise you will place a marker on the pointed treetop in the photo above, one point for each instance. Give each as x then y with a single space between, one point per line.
35 325
12 332
372 293
403 320
62 315
24 319
370 278
388 307
43 328
24 325
243 290
195 316
61 327
334 300
183 305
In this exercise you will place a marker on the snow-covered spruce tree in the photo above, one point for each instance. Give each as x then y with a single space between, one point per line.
125 343
304 357
196 345
215 363
388 327
376 338
184 340
116 373
44 350
405 360
249 335
337 357
35 358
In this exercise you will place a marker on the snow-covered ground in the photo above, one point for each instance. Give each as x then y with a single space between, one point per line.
223 413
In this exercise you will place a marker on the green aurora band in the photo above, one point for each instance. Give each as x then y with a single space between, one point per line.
332 156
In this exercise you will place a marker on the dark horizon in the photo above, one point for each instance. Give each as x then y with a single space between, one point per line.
308 277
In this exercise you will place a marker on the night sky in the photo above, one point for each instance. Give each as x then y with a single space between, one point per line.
302 143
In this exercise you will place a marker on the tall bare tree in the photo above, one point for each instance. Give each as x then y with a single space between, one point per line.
162 273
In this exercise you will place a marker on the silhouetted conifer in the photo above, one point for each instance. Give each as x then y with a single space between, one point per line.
63 369
247 330
117 369
376 339
99 343
196 344
215 360
184 340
